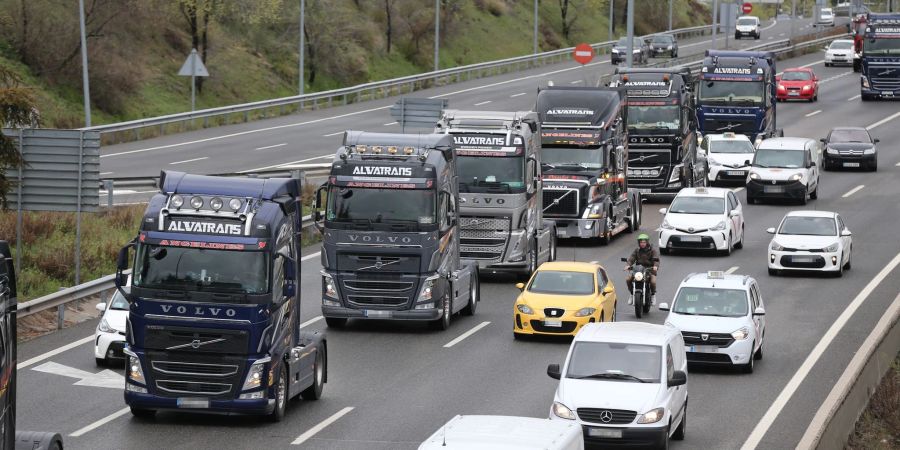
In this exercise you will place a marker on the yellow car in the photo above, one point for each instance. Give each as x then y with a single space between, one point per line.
561 297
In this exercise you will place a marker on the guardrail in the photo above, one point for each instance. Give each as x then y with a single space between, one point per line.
352 94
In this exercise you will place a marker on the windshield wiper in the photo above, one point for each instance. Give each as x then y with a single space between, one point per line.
572 165
548 165
612 376
759 165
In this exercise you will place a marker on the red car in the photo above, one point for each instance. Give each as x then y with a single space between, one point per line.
797 84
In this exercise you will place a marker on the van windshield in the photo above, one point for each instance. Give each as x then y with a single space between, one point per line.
629 363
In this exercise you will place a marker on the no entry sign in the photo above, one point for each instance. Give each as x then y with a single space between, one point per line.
584 53
747 8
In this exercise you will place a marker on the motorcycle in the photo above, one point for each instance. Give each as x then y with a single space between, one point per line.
640 288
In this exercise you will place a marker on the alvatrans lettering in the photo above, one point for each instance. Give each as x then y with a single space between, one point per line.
570 112
205 227
387 171
733 70
480 140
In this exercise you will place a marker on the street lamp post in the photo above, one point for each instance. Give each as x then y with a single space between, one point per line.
85 80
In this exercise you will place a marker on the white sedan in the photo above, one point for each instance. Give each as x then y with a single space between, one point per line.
109 338
702 219
840 51
728 156
810 240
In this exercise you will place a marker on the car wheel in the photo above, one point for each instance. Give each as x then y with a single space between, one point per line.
602 317
143 413
759 353
849 257
664 250
740 244
751 200
615 313
866 98
815 193
805 199
840 271
444 322
519 336
815 98
773 272
748 368
678 435
728 246
281 394
314 392
874 166
474 294
100 362
335 322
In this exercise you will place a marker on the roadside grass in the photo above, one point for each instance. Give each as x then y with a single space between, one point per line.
879 425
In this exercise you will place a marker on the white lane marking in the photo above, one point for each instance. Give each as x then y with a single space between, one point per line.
321 426
898 164
575 82
780 34
106 173
853 191
286 163
311 321
830 79
775 409
101 422
854 98
774 22
466 334
517 95
883 121
105 378
333 134
737 189
814 113
310 256
188 160
390 123
53 353
483 103
271 146
732 269
770 37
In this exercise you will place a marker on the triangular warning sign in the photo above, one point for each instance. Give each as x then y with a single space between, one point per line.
193 65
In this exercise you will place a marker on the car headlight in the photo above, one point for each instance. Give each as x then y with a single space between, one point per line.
104 326
806 88
719 226
428 288
776 246
669 47
741 334
831 150
134 372
328 285
754 176
865 82
639 276
256 374
652 416
832 248
596 211
561 411
637 50
796 177
712 160
869 151
584 312
615 50
666 226
524 309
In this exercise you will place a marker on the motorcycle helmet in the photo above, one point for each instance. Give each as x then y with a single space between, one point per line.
643 237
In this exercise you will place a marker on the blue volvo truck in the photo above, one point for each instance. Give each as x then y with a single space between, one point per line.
214 320
880 59
736 93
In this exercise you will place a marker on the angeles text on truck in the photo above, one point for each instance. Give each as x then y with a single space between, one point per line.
214 321
498 158
880 60
390 245
736 93
584 158
662 138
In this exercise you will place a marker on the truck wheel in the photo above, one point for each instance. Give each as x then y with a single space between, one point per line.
605 235
474 294
632 219
335 322
281 392
444 322
553 243
314 392
530 263
142 413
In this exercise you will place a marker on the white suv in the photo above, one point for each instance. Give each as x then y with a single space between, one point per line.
624 382
747 26
702 219
721 318
785 167
728 156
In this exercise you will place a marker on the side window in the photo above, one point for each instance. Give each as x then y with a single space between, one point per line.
840 223
754 296
731 204
443 205
601 279
278 275
670 363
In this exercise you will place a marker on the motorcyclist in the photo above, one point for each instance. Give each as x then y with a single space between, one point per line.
646 256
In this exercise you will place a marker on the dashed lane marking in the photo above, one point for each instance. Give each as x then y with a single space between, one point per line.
483 103
853 191
814 113
321 426
188 160
55 352
390 123
883 121
101 422
271 146
466 334
518 95
854 98
333 134
732 269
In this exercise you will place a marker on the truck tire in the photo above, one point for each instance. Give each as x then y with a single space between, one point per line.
605 236
335 322
314 392
444 322
281 395
553 243
142 413
474 296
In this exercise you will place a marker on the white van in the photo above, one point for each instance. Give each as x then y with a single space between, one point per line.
625 383
785 167
505 433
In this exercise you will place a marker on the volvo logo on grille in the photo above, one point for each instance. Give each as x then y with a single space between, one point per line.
605 416
704 337
195 343
773 181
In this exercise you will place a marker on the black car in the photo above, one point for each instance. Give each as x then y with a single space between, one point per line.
664 44
850 147
619 51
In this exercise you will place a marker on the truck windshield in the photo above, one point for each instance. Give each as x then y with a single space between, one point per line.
489 173
376 205
654 117
572 158
883 46
195 269
739 92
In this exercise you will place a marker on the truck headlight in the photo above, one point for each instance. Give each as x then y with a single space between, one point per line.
676 173
428 288
328 287
719 226
652 416
134 371
666 226
524 309
796 177
563 412
741 333
255 375
596 211
865 81
104 326
832 248
754 176
776 246
584 312
639 276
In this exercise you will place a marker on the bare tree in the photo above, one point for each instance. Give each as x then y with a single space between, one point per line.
567 12
388 13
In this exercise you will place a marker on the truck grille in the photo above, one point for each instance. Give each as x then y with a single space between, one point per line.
177 374
210 340
483 237
368 300
372 289
380 263
378 285
616 416
742 125
638 157
194 369
561 202
889 82
194 387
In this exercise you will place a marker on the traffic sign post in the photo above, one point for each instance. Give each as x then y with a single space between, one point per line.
193 67
583 53
747 8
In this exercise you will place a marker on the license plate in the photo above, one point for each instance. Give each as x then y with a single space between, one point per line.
553 323
691 238
805 259
641 190
561 232
736 172
194 403
605 433
703 349
773 189
376 313
851 164
793 94
887 94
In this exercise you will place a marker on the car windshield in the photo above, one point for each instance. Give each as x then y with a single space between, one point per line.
778 158
746 21
662 39
825 12
697 205
654 117
622 42
841 45
391 206
882 46
731 146
490 173
711 302
796 75
561 282
739 92
629 363
572 158
808 226
118 302
197 269
849 136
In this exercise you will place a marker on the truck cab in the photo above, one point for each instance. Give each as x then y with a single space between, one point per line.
214 314
389 216
880 59
498 158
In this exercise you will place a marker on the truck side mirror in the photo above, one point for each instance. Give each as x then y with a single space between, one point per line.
122 260
532 125
290 267
317 205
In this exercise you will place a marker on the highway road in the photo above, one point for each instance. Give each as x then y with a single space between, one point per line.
391 385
